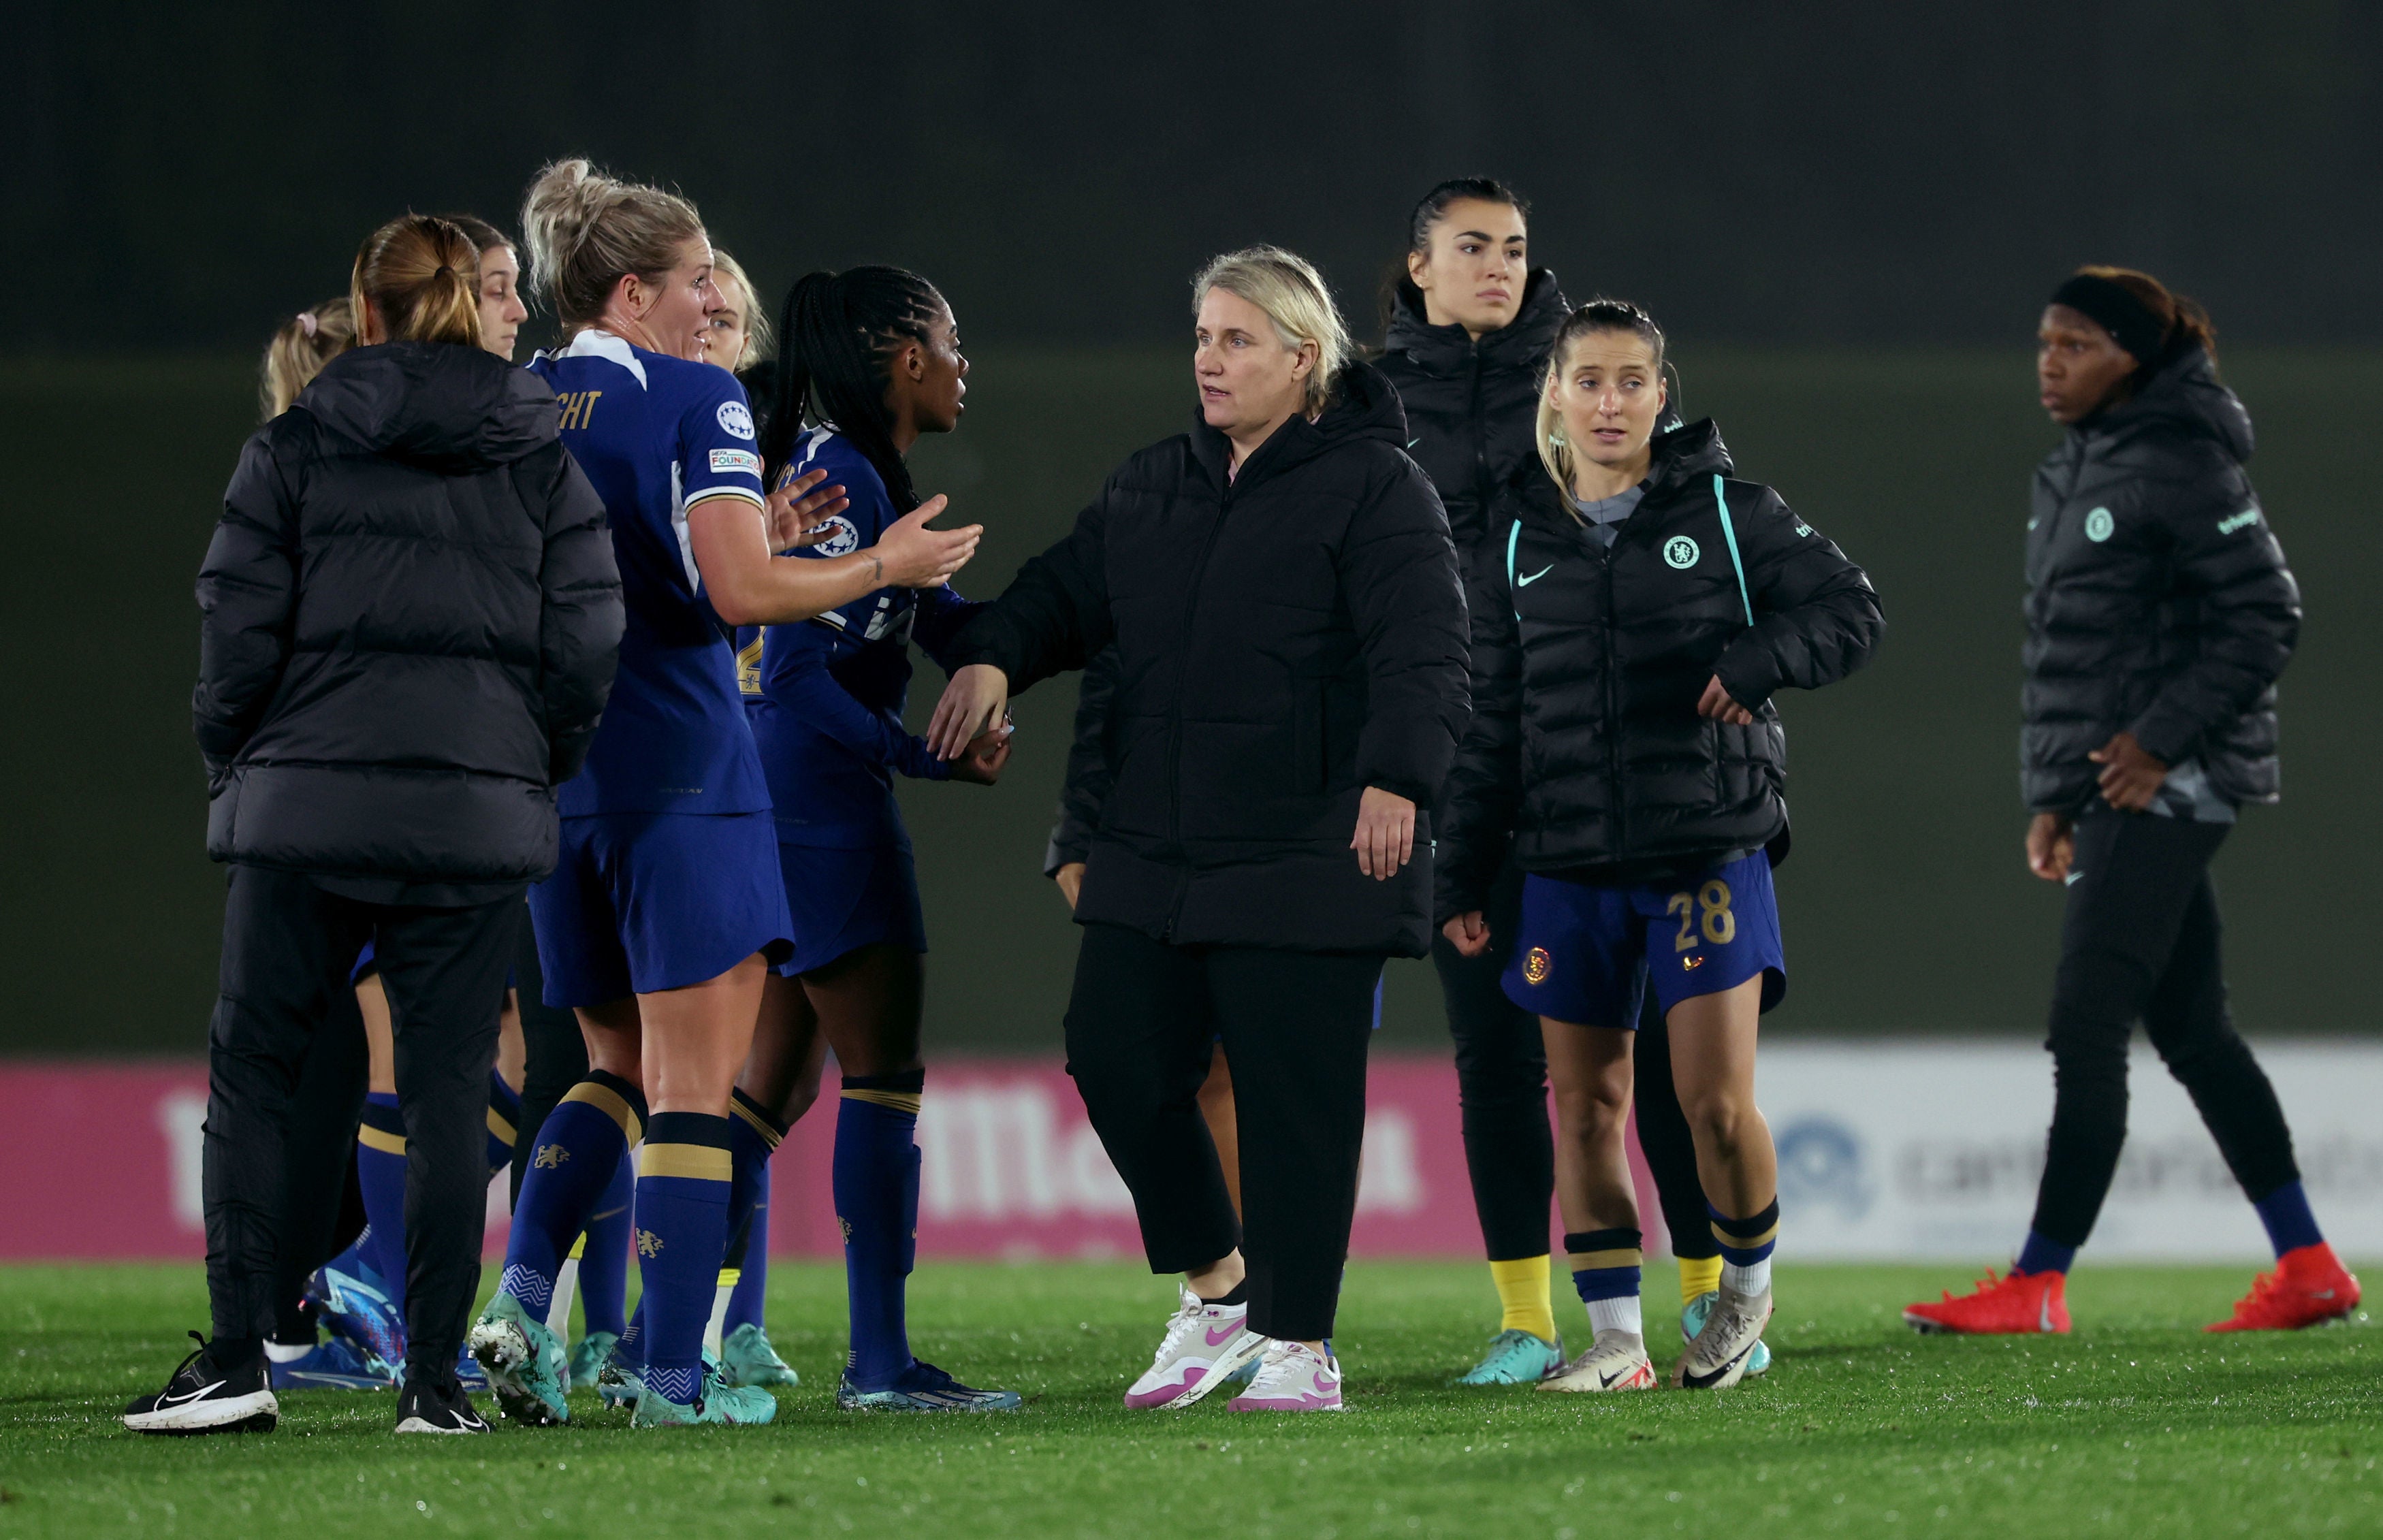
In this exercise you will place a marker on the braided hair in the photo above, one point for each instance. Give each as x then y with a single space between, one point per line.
838 334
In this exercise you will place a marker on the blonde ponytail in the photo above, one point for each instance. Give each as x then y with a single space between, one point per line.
585 231
306 341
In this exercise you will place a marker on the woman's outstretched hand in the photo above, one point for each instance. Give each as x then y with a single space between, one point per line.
798 514
1468 933
1385 837
1717 705
974 703
912 556
985 755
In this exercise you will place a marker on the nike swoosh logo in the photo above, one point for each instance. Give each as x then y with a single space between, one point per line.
2044 1311
2322 1294
1413 442
1219 1335
1605 1382
1527 582
188 1396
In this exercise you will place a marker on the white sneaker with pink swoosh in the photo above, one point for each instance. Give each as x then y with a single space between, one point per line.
1204 1346
1292 1376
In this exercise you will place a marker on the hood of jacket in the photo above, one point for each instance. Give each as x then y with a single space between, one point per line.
1682 455
1365 405
2182 395
1449 350
439 405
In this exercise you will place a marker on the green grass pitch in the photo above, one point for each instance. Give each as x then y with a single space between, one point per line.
2137 1425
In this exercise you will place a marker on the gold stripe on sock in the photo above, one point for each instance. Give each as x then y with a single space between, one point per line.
1745 1242
579 1248
611 1103
376 1138
704 1161
728 1277
1523 1298
756 1121
1619 1256
900 1101
499 1127
1698 1276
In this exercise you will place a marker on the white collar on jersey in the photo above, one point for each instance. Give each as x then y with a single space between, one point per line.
596 343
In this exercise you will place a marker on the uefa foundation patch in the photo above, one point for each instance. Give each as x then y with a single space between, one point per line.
1536 965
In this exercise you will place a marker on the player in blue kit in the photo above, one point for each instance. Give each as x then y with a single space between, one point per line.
1644 609
871 356
665 910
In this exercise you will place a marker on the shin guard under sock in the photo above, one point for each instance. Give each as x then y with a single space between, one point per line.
683 1171
755 1135
380 1171
876 1180
577 1150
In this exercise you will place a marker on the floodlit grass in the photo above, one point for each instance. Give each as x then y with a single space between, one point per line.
2137 1425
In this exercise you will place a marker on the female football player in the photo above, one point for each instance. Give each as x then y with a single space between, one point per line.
666 909
872 360
1643 608
2159 615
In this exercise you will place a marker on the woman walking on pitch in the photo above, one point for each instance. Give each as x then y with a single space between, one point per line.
410 617
1644 609
1283 599
871 362
2159 615
665 908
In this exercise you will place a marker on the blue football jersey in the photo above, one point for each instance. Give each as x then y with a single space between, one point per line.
657 435
827 695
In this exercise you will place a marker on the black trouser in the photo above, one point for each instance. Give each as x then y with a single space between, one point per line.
1664 1139
1141 1028
1501 1083
288 949
2141 938
554 1052
324 1210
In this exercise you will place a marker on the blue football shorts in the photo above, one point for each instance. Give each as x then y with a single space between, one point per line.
1585 953
645 902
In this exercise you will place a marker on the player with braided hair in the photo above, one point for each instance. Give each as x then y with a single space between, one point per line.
872 359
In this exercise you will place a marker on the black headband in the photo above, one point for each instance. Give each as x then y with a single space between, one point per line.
2119 311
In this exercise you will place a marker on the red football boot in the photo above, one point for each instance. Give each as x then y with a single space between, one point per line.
2309 1284
2021 1302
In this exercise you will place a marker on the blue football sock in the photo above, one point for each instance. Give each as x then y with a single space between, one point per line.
1745 1245
683 1172
747 1302
2286 1213
2042 1255
604 1259
1605 1270
577 1150
754 1137
380 1172
504 1122
876 1180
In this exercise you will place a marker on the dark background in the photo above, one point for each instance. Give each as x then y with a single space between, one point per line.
1847 215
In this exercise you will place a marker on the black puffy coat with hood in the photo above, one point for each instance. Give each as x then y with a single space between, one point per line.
1586 750
2158 601
410 617
1472 405
1283 639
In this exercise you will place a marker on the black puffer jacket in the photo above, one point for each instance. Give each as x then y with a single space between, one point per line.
411 619
1472 406
1283 640
2158 602
1586 750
